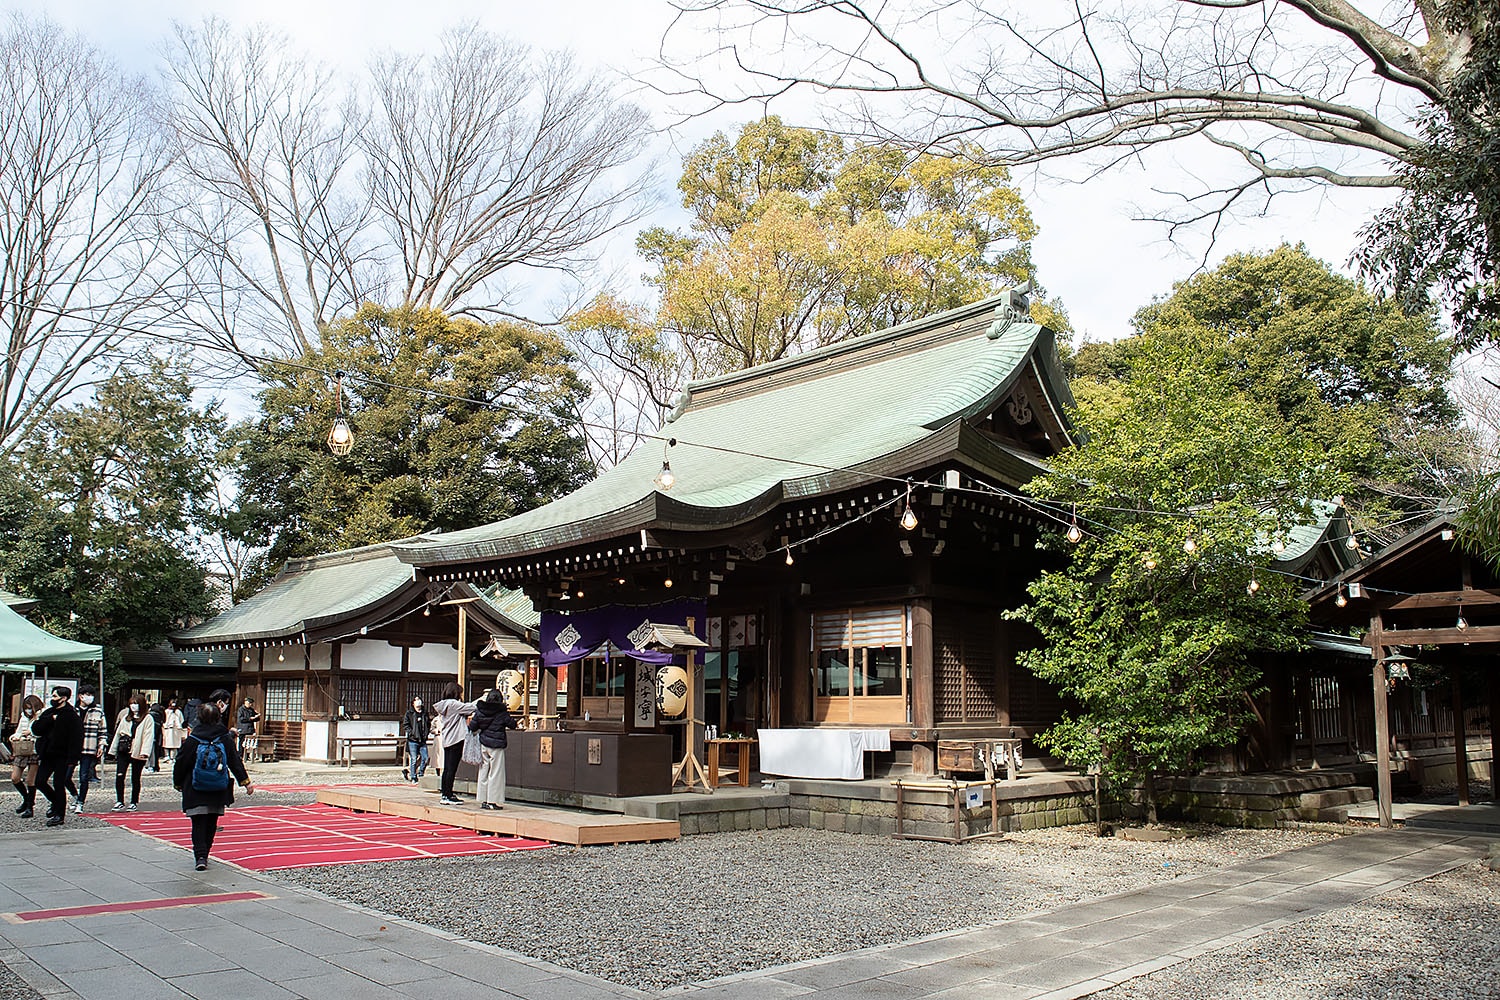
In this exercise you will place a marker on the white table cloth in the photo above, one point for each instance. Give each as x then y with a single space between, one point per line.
819 753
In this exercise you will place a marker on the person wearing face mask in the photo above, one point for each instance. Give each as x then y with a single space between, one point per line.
134 744
23 765
417 727
59 742
95 742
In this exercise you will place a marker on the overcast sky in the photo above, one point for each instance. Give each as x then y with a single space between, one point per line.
1091 253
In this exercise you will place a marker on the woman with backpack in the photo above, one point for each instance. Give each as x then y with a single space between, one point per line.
134 744
207 766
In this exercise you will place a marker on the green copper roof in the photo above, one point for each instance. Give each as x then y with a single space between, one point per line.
307 593
890 402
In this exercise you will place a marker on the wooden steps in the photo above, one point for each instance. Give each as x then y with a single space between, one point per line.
517 819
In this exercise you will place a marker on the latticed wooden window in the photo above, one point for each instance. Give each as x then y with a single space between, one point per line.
964 658
377 697
283 700
862 665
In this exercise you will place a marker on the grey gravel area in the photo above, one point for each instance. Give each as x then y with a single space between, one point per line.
655 916
13 987
1434 940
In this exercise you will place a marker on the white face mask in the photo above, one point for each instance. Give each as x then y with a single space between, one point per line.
417 705
30 712
87 699
135 710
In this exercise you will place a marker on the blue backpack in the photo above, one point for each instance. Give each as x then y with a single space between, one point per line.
211 767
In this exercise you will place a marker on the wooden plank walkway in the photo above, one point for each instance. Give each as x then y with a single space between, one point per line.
517 819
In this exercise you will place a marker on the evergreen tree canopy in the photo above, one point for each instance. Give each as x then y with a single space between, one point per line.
456 423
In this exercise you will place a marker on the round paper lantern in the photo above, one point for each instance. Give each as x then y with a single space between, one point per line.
512 687
671 691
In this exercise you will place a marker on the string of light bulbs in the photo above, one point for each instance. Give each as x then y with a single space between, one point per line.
341 440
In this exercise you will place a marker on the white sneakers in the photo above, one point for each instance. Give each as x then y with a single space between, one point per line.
119 807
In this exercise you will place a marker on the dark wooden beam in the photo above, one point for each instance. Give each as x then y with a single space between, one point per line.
1460 736
1445 599
1450 636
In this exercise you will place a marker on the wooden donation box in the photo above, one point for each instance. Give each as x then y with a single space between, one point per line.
987 755
613 764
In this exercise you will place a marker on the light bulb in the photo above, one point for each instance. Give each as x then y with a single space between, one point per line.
210 659
1188 545
1463 622
1351 543
1075 534
341 437
1150 562
909 519
280 657
664 478
1341 600
1252 586
579 593
184 659
427 611
789 559
247 657
667 582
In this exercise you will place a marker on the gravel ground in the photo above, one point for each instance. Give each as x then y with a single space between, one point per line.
1435 940
13 987
625 912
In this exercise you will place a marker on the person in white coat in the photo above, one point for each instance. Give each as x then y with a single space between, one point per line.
173 729
134 744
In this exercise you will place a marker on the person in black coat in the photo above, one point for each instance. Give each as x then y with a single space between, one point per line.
490 721
59 741
205 807
417 726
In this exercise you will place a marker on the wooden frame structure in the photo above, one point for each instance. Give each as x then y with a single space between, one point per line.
1425 594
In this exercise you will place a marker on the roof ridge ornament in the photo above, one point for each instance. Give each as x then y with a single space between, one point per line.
1015 308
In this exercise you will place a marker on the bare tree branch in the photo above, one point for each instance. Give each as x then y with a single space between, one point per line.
82 218
1297 90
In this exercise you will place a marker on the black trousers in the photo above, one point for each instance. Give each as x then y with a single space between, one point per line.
52 777
451 757
204 828
121 762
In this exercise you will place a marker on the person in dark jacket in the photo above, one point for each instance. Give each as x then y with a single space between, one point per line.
204 808
59 741
159 714
490 721
416 725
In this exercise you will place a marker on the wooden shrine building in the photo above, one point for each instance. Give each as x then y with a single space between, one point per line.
338 644
842 529
1430 617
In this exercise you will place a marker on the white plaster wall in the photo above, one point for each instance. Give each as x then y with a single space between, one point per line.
292 662
370 654
434 658
322 656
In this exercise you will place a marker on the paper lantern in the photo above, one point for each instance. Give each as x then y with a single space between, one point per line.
671 691
512 687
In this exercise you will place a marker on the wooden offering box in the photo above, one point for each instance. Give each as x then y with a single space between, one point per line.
613 764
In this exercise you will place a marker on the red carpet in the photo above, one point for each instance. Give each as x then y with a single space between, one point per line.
264 838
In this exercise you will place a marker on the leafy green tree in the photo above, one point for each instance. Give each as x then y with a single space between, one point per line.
100 518
456 423
798 240
1440 241
1338 364
1151 641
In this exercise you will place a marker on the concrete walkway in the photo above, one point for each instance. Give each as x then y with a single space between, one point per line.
286 943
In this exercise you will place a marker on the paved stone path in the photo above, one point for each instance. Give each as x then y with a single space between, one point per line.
293 943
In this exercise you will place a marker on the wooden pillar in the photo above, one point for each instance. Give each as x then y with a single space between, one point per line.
923 689
463 652
1494 733
1460 736
798 648
1005 662
546 705
336 697
1382 725
403 687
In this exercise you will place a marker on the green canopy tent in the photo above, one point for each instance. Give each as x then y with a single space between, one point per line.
24 643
